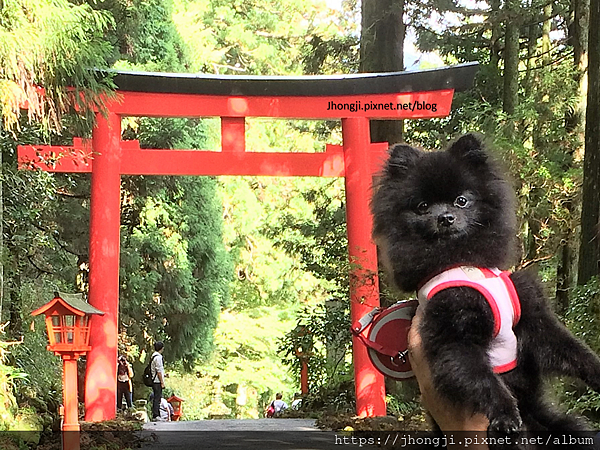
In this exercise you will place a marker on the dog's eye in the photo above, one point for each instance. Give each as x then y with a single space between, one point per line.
461 201
422 207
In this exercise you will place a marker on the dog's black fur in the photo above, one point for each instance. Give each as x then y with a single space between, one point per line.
422 229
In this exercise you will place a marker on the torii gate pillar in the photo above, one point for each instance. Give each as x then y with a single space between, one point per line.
100 395
364 285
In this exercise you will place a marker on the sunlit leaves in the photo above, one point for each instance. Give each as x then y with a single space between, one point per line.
48 53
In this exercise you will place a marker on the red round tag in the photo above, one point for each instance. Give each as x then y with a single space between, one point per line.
390 330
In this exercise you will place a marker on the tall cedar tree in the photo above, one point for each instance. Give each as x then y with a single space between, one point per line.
566 269
589 251
175 269
382 50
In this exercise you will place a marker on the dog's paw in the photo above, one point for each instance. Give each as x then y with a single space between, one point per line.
504 431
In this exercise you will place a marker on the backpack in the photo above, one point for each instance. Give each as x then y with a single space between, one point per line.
147 377
270 410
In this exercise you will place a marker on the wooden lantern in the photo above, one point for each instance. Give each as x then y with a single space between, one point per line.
68 326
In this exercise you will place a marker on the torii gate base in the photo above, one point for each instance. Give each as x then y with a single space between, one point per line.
384 96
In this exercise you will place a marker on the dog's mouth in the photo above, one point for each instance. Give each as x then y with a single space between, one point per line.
449 232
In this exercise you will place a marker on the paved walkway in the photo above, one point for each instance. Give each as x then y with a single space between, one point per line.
260 434
235 425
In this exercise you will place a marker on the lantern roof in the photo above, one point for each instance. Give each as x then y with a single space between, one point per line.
174 397
72 302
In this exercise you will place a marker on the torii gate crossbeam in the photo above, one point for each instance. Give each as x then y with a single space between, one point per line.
353 98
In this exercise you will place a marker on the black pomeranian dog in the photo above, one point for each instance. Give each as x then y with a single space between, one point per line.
445 224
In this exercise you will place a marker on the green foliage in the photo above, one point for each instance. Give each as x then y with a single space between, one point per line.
7 398
400 408
244 372
144 35
336 397
583 315
54 44
32 245
318 235
175 270
535 143
583 319
256 37
40 385
267 274
322 339
15 415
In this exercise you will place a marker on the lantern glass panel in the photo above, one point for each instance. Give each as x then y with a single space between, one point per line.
85 330
56 329
69 327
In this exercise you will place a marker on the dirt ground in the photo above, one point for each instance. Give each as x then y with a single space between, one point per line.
118 434
348 422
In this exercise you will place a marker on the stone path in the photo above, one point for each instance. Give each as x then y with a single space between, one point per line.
263 434
235 425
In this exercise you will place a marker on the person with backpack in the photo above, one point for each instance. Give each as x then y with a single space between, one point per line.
276 407
157 372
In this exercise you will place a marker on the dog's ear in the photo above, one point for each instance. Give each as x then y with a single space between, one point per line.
470 148
402 157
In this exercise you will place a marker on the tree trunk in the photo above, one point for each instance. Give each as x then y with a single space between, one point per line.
546 28
511 57
578 38
581 32
496 33
565 270
15 310
382 50
589 251
531 48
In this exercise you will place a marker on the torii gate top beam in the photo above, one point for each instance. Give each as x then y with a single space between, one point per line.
458 78
399 95
308 97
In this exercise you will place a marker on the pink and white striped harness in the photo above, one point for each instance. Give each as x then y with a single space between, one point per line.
499 291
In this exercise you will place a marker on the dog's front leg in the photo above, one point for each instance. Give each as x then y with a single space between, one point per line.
456 330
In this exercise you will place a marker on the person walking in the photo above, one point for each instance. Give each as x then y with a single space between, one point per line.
158 378
124 387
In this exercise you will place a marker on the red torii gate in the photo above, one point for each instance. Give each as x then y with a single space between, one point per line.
352 98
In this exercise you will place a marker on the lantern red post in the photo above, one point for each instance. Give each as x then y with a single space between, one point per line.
100 384
364 284
304 377
70 424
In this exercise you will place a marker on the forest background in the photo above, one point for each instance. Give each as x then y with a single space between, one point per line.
232 272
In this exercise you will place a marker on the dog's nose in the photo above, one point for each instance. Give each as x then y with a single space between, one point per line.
446 219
